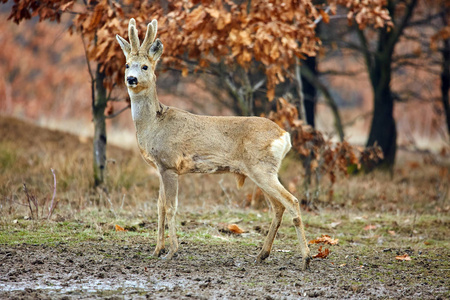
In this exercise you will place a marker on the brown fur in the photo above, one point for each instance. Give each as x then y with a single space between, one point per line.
177 142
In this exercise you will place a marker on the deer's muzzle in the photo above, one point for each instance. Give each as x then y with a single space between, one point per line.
132 80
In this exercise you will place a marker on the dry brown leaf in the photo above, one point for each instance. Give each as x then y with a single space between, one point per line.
235 229
119 228
403 257
322 254
324 239
370 227
67 6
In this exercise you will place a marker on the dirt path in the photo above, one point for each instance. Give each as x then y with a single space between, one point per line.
224 271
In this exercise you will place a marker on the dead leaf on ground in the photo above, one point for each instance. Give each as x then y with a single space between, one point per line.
403 257
119 228
235 229
230 228
324 239
322 254
370 227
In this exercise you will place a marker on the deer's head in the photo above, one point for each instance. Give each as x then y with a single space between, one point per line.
141 59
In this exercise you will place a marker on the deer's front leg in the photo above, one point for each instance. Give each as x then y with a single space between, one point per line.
170 183
161 219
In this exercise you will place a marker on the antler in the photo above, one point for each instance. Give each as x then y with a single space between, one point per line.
133 36
152 29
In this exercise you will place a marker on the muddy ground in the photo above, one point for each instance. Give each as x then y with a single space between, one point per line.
78 254
221 271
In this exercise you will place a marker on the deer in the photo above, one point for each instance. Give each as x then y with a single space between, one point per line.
177 142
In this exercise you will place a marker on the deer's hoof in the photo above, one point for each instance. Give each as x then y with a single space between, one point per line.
158 252
169 255
305 263
262 256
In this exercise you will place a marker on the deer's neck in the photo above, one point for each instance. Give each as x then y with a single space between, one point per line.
144 107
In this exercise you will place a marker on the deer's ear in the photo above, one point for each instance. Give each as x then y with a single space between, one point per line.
156 50
126 48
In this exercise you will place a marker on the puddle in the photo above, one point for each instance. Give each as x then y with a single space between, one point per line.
89 285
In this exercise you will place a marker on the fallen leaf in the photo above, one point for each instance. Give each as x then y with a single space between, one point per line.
403 257
370 227
335 224
235 229
322 254
119 228
391 232
324 239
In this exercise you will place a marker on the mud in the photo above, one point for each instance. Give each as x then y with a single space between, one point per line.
225 271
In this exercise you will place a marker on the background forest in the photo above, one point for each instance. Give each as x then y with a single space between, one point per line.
363 87
214 69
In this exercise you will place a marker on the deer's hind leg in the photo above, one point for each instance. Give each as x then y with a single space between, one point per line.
278 210
271 185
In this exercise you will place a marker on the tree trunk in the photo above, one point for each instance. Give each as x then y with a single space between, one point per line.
445 75
301 97
383 131
310 91
309 75
98 113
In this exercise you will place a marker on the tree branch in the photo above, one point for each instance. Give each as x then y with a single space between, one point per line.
365 51
118 112
90 72
398 30
308 74
320 18
341 73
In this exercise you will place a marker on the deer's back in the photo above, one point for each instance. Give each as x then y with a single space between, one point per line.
192 143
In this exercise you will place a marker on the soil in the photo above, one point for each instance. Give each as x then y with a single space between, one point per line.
105 270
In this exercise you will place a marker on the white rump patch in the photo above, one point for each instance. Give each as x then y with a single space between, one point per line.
281 146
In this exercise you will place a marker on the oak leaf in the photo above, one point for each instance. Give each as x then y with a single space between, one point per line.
324 239
235 229
67 6
119 228
322 253
403 257
370 227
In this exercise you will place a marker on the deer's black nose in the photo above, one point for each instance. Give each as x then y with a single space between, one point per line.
132 80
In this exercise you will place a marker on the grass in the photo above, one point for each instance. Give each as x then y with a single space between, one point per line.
408 211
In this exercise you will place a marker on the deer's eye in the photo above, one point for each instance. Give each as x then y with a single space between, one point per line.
127 66
144 68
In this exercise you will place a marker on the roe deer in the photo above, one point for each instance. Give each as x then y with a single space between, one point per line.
177 142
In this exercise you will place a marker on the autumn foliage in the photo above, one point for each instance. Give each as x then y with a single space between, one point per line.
212 36
211 33
320 154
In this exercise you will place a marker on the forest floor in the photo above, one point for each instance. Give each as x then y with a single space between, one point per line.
392 233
